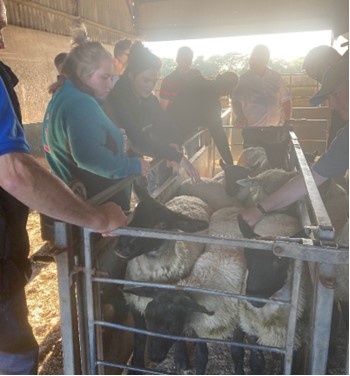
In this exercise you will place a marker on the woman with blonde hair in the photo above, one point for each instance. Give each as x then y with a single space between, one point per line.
82 145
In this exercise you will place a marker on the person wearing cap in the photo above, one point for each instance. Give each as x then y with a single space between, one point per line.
197 105
334 162
131 105
172 83
261 100
315 63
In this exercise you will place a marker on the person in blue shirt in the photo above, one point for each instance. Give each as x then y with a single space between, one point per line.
82 145
24 183
334 162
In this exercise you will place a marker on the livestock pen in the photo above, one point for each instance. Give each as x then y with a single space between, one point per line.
89 330
83 320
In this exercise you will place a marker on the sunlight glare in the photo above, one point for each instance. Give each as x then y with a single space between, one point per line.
288 46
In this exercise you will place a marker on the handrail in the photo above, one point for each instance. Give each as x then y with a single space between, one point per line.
326 230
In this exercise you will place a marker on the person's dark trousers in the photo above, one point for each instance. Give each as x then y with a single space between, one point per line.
18 347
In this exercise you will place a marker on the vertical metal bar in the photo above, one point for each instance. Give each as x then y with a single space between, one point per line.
322 313
89 302
81 319
67 302
293 315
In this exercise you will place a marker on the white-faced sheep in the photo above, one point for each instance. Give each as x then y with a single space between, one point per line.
265 156
159 260
269 276
221 191
196 314
254 189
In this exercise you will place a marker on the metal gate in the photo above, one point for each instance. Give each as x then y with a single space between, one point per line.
80 279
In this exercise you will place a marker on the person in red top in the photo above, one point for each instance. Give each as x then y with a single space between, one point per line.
175 80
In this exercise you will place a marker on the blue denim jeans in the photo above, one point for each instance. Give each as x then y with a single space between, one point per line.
18 347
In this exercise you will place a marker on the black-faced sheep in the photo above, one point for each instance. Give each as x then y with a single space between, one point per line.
269 276
196 314
159 260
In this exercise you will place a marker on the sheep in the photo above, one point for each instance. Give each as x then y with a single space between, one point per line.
220 191
266 156
158 260
269 276
254 189
209 190
197 314
252 155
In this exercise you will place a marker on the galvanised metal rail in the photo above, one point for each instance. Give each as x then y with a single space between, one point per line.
324 255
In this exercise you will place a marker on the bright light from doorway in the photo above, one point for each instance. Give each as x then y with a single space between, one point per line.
288 46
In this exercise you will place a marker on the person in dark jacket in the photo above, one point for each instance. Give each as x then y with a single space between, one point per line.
197 105
132 106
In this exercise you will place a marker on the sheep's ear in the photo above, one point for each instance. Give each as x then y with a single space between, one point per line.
191 305
145 291
142 193
245 228
187 224
248 182
255 166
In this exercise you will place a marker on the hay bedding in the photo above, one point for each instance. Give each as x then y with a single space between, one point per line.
42 297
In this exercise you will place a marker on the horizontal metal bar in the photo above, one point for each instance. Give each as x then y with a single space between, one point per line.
335 256
189 289
131 368
189 339
311 253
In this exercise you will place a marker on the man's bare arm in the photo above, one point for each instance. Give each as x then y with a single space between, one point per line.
25 179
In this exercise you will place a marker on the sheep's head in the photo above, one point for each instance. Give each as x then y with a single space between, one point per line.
232 175
167 313
151 214
267 273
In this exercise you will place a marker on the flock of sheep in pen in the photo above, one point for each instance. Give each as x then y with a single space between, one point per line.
211 208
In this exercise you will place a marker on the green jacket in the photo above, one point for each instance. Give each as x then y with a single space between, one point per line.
82 144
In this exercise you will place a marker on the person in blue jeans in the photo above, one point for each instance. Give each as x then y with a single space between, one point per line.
24 183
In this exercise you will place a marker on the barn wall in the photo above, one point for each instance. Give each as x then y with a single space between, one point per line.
105 20
30 53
